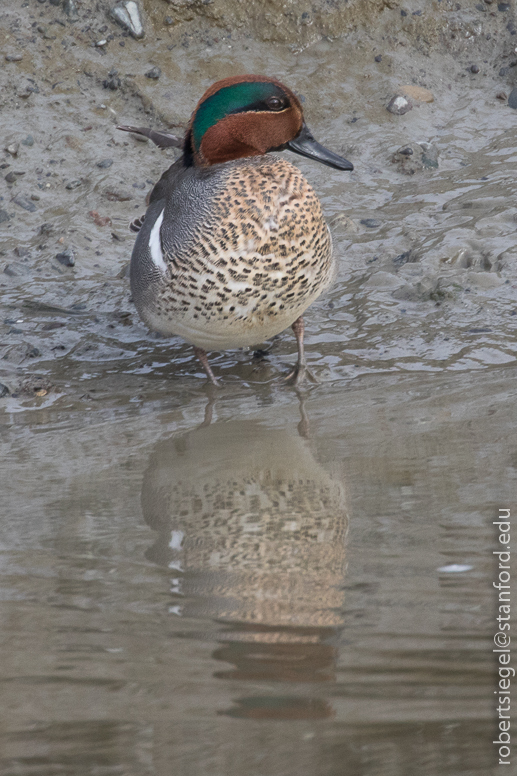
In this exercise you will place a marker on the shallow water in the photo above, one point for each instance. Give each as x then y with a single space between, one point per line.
262 595
258 581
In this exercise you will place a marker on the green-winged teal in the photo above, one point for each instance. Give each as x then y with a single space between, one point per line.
233 247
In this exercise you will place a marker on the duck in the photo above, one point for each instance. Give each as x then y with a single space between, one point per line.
234 247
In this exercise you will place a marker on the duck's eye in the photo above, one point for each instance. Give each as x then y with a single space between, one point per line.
275 103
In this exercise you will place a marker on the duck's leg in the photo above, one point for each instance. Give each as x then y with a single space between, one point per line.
303 425
209 409
300 371
203 359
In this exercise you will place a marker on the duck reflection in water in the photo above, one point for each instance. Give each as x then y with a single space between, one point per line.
254 528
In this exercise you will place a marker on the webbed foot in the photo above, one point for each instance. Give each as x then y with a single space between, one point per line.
300 374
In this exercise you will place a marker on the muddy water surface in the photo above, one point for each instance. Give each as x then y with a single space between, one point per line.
257 581
273 593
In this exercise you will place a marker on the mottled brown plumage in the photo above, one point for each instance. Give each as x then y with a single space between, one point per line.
262 254
234 246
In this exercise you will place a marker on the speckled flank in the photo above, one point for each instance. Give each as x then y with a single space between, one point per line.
261 254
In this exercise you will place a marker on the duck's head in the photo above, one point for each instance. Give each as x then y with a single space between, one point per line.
249 115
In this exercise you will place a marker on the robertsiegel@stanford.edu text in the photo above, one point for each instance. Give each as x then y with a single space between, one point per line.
502 638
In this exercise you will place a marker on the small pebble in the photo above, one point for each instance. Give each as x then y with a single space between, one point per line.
73 185
13 57
12 148
45 32
512 99
105 163
370 223
23 201
168 20
28 141
4 390
70 8
407 151
503 7
417 93
66 258
399 105
378 58
12 176
154 73
112 83
502 96
474 69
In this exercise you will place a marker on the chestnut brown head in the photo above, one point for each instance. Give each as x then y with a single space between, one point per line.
249 115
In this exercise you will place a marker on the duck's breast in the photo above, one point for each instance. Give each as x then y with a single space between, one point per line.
231 254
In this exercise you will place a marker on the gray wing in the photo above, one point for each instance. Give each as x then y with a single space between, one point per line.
179 210
145 273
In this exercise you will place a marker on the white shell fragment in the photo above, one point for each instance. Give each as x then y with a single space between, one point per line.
127 15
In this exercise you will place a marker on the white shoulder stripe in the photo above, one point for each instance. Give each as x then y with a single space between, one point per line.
155 244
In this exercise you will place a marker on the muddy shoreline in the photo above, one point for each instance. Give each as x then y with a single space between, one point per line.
75 182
